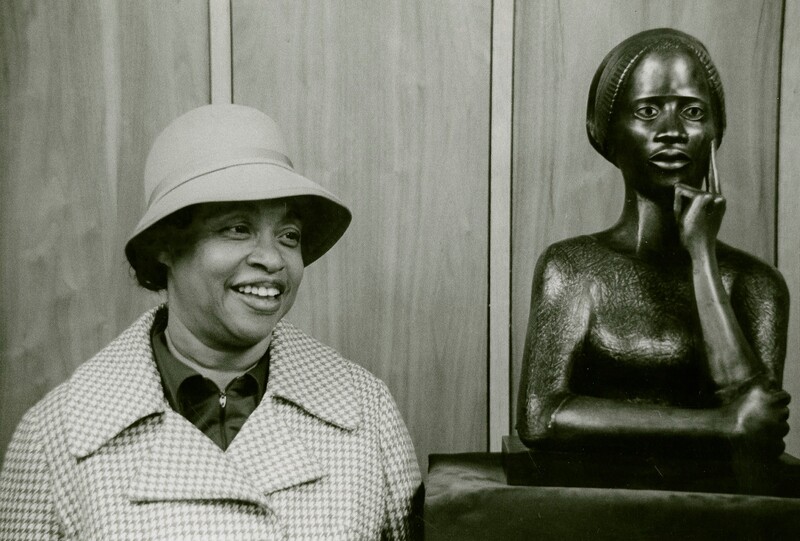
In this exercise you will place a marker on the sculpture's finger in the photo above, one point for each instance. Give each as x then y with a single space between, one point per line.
780 398
714 184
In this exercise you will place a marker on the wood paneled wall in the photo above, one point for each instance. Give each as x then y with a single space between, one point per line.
86 86
387 103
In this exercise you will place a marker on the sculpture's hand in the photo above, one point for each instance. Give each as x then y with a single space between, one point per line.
759 419
699 213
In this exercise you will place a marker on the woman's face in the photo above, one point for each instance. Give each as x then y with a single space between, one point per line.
240 275
664 126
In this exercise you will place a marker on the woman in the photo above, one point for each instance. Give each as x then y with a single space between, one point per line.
211 417
653 333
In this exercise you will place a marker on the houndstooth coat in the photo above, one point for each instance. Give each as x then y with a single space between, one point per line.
324 456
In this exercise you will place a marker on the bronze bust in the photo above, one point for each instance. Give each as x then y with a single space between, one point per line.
653 333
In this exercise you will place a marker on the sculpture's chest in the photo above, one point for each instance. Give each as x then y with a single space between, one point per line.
655 323
644 339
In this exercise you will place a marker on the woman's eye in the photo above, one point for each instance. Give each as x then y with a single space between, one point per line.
291 238
694 113
237 231
646 112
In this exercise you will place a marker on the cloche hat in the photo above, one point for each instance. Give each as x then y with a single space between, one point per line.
227 152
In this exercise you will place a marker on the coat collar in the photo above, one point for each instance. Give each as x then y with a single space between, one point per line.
313 377
121 385
114 389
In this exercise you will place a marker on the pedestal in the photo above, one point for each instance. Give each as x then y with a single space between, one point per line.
530 467
468 498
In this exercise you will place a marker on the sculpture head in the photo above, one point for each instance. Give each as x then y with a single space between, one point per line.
655 106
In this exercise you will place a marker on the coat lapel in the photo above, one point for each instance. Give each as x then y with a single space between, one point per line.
270 454
306 375
183 464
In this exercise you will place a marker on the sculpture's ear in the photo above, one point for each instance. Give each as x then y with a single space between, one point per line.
611 148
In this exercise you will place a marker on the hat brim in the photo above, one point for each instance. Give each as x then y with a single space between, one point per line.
324 221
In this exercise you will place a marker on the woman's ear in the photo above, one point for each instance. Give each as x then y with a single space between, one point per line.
165 258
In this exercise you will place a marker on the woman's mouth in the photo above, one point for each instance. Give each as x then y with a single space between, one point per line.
670 159
259 291
262 298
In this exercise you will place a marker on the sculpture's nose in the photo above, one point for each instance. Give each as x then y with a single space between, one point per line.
670 127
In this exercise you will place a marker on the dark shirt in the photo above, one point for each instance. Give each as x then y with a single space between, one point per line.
219 415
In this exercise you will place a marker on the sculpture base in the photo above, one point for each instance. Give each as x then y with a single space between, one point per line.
532 467
468 498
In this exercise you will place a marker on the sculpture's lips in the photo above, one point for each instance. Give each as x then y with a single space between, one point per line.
670 159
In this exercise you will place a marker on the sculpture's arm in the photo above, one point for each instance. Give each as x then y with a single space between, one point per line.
730 357
755 419
733 363
584 421
559 319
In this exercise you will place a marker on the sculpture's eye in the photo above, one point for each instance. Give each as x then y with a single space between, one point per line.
646 112
693 112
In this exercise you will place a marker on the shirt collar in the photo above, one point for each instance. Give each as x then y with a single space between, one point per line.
174 372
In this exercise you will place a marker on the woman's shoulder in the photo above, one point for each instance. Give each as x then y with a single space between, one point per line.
91 377
316 377
44 425
319 358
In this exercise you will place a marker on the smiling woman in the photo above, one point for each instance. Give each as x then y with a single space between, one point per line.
211 417
238 277
653 334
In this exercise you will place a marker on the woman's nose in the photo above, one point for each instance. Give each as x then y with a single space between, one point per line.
671 129
266 253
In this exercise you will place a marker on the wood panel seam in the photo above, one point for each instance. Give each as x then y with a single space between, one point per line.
501 68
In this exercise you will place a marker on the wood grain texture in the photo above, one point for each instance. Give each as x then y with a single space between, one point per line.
789 208
85 88
387 104
563 188
219 19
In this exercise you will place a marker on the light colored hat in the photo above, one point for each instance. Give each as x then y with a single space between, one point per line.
229 152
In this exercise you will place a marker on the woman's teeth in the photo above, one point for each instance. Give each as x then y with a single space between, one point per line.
260 291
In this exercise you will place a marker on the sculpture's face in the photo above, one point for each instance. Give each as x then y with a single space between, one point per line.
662 130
